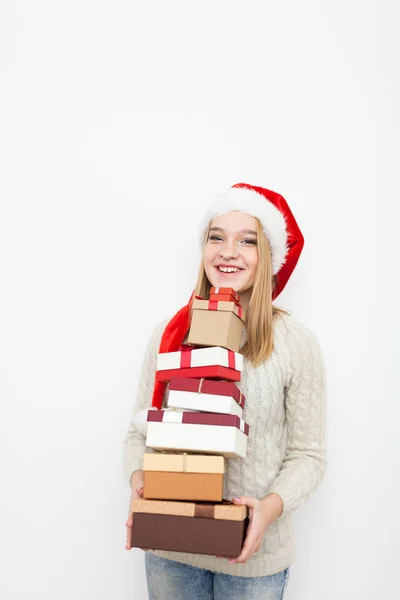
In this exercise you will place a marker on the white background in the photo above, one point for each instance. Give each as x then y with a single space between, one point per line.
118 121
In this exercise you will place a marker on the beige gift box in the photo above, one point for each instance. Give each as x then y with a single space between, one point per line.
216 324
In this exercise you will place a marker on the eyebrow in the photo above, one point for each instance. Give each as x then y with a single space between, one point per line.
241 231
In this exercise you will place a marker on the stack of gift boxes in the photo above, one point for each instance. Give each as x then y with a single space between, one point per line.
182 508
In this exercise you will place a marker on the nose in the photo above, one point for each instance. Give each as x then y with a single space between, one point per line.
229 250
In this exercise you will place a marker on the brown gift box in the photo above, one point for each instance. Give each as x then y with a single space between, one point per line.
217 529
216 324
183 477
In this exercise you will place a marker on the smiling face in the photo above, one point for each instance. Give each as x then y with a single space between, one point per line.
230 254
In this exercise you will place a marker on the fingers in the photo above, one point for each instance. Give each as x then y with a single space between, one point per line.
136 493
251 545
245 555
129 524
248 544
247 500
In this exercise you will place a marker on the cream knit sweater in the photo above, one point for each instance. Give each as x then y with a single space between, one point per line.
285 450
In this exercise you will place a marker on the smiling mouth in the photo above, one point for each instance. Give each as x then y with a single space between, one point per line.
229 270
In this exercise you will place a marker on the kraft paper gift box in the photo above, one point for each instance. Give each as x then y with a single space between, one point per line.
208 433
212 363
216 324
183 477
224 294
205 395
217 529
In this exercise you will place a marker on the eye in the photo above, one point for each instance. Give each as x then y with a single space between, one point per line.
248 241
215 237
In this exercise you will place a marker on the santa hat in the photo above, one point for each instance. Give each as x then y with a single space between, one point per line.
285 239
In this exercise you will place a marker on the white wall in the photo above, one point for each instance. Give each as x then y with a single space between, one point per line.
118 119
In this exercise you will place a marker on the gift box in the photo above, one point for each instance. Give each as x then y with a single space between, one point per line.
183 477
224 298
218 529
210 433
216 324
218 292
211 363
205 395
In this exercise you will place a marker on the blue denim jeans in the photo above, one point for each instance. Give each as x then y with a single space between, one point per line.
171 580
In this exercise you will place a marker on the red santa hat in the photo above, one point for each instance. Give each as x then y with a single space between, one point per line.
285 239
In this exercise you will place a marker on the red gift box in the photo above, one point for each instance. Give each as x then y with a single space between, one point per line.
210 363
226 291
197 418
214 372
204 386
223 298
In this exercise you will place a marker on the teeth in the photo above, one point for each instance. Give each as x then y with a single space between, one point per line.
229 269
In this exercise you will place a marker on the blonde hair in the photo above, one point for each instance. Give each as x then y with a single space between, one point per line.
261 312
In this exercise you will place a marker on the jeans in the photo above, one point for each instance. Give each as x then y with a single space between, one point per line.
171 580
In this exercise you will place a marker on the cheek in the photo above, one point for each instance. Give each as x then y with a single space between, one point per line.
252 269
252 264
208 256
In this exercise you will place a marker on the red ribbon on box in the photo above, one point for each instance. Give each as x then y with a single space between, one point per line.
197 418
231 359
224 298
224 291
186 357
213 305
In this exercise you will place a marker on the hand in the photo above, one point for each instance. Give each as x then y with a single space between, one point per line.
137 483
261 514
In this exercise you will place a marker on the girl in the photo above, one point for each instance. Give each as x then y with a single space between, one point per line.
251 242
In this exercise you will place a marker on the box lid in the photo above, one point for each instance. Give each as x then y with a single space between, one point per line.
183 463
225 511
223 298
200 357
225 290
200 304
197 418
207 386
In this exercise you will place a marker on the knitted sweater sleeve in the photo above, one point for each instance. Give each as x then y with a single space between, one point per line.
135 440
304 461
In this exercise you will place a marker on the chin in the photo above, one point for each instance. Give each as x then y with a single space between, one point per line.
237 283
238 286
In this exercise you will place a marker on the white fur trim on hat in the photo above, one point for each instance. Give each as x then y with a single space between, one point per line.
252 203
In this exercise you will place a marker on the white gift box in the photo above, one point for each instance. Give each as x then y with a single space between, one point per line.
171 430
203 402
200 357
